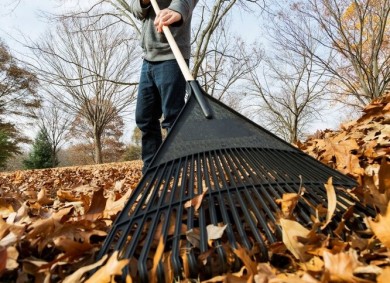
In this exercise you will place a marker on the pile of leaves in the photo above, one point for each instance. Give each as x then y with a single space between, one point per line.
53 222
359 146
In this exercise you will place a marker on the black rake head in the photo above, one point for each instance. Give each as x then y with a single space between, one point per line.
225 173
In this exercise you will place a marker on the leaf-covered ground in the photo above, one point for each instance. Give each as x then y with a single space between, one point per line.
54 221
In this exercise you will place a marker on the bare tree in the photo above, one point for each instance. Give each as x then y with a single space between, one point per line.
55 122
81 131
290 85
357 34
88 67
209 17
226 64
18 86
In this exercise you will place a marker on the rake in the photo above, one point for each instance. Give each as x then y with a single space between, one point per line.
240 170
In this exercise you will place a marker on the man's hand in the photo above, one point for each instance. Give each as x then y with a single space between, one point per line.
166 17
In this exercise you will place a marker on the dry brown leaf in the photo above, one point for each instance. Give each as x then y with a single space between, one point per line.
78 275
381 227
12 258
42 198
156 259
22 215
315 264
193 236
288 203
332 202
215 232
71 247
114 206
384 178
36 267
9 240
196 202
373 196
384 277
264 273
111 268
70 196
219 278
341 266
4 228
96 209
291 230
250 265
293 279
5 208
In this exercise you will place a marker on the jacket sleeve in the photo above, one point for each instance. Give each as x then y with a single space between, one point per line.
184 7
140 12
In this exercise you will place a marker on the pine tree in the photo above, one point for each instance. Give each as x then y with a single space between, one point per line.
6 148
41 155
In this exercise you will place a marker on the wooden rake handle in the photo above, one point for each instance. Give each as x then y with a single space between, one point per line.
195 87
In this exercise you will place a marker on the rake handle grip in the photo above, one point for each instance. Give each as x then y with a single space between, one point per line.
175 49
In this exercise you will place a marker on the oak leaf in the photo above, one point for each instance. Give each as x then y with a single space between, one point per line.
341 266
196 201
111 268
381 227
291 232
78 275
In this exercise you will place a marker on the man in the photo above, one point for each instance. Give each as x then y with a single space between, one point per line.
162 85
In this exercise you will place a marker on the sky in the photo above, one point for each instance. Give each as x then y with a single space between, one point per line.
27 18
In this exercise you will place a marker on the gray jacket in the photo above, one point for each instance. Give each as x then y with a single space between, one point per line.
154 44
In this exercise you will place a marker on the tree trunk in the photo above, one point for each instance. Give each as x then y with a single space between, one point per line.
98 149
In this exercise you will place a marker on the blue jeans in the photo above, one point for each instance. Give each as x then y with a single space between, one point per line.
161 91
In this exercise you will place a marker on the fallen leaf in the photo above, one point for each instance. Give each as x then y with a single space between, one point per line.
98 204
332 202
42 198
78 275
288 203
9 240
71 247
215 232
196 202
384 277
250 265
315 264
4 228
111 268
5 208
156 259
291 230
381 227
264 273
341 266
113 207
384 178
12 258
193 236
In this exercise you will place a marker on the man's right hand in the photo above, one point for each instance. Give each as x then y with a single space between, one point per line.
166 17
